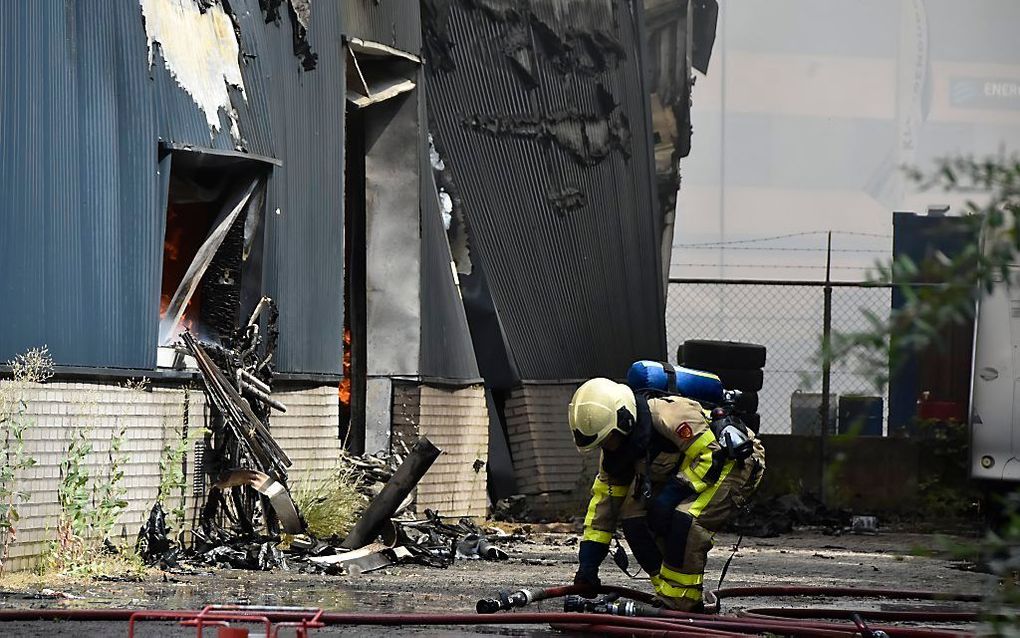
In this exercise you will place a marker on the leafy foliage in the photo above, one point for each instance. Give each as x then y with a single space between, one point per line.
992 213
34 366
172 480
944 485
1003 548
90 505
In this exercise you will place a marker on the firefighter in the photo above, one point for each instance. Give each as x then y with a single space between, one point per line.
666 478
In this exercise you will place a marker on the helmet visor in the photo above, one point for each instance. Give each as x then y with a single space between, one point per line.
624 425
584 441
624 421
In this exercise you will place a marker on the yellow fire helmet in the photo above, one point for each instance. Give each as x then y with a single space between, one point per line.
600 406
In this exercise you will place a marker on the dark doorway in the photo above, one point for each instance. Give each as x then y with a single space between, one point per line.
352 391
212 248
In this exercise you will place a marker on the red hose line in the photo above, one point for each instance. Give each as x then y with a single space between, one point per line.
786 627
701 626
611 630
852 592
803 627
510 619
395 619
679 623
811 628
786 613
821 629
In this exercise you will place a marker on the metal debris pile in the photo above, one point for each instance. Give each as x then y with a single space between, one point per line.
247 504
248 507
513 509
429 541
371 472
388 531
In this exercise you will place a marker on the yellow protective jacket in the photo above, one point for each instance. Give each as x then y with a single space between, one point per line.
683 449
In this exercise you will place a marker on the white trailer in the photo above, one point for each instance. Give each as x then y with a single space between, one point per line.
995 384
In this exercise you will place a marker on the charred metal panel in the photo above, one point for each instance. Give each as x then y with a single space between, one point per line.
706 17
295 116
538 110
300 14
304 269
393 236
446 348
680 35
198 53
395 23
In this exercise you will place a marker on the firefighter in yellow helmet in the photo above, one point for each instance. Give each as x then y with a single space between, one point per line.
665 478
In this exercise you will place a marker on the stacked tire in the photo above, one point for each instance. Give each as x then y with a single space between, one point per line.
739 365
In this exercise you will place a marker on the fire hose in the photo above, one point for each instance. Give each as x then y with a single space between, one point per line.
633 617
669 624
808 613
786 621
520 598
588 623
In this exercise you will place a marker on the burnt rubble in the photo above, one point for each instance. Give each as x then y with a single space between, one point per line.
428 541
248 504
248 508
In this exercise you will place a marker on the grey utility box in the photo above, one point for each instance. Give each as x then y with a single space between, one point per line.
805 413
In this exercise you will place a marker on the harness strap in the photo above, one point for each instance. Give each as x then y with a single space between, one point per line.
670 371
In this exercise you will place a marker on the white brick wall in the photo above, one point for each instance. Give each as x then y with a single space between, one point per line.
56 409
308 433
549 469
457 422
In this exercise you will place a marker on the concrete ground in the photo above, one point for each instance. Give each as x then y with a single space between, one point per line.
887 560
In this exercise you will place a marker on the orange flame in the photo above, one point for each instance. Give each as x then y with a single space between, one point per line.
345 384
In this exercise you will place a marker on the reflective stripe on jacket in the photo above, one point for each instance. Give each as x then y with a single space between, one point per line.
684 449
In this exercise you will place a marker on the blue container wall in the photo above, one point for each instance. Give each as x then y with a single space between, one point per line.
948 375
860 415
80 243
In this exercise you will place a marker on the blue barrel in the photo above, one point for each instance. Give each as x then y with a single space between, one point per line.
860 415
690 383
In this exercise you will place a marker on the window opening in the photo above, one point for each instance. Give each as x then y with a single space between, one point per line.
212 248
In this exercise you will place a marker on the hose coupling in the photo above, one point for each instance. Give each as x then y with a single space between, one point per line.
505 602
578 604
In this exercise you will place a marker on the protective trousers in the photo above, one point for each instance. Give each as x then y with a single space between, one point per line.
674 549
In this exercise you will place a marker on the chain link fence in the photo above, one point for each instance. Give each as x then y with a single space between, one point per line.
788 318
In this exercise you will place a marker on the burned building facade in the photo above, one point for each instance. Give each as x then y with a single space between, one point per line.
456 197
557 129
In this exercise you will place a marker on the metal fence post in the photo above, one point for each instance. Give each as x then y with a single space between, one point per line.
826 375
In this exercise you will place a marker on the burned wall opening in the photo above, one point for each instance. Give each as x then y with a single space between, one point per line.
381 237
352 388
213 244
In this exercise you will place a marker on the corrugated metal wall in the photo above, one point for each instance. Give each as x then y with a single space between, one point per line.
568 244
395 23
304 272
81 208
541 119
80 243
446 348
